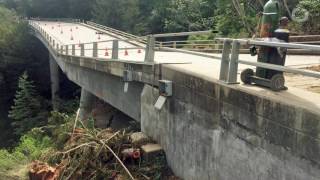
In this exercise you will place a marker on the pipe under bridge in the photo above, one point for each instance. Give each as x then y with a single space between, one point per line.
210 126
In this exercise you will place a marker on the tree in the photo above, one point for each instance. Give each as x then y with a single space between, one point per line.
80 9
183 15
26 113
227 22
119 14
308 16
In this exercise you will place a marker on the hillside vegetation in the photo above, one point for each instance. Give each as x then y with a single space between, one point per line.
229 17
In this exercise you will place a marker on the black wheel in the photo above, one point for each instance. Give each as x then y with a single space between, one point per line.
277 82
253 51
246 76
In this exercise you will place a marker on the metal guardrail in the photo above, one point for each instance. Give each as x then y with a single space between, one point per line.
117 32
181 34
70 49
229 66
216 46
57 19
229 60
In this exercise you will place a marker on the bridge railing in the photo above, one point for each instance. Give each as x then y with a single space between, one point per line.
229 60
117 32
229 65
230 54
216 46
89 49
56 19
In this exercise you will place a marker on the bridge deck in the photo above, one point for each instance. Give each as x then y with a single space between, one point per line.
199 66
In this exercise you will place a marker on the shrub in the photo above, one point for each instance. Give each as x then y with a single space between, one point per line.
312 7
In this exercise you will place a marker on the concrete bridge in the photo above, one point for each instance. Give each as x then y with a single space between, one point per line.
211 127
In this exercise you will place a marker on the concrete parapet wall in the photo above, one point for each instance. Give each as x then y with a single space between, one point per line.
215 131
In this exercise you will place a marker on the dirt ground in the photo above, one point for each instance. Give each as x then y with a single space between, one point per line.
304 82
19 172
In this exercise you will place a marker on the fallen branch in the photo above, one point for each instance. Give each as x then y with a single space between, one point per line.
119 160
76 120
78 147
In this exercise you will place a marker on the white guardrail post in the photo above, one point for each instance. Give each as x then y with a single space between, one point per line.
95 49
150 49
233 68
81 49
224 68
67 49
61 49
58 48
73 50
115 49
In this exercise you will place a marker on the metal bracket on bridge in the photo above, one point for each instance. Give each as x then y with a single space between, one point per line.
160 102
165 91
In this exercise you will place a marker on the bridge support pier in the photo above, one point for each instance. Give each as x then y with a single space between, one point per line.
87 102
91 106
55 87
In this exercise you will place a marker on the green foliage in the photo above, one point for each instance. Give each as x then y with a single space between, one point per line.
230 23
31 147
6 26
68 106
7 160
235 18
311 25
16 56
120 14
80 9
26 113
181 15
59 125
188 15
38 143
52 8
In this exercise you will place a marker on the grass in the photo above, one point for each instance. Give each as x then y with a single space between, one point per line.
14 163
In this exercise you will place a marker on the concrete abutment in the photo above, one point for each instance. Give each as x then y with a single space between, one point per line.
212 131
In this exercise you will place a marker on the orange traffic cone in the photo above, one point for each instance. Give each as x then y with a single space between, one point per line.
126 53
106 53
139 51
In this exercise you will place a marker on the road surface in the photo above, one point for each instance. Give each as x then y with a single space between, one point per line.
207 68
